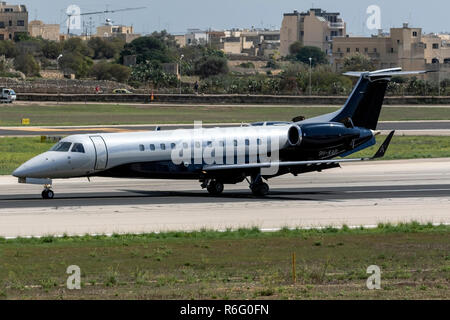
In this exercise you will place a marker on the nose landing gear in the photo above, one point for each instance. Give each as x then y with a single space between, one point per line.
47 193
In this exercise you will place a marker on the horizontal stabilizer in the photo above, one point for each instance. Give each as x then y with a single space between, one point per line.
383 73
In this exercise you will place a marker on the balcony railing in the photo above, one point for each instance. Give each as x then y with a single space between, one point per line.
337 25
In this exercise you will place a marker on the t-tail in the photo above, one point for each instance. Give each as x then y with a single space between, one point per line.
364 104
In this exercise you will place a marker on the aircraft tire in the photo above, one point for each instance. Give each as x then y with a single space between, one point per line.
215 188
48 194
260 190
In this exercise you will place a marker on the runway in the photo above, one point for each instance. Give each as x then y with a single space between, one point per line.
441 127
356 194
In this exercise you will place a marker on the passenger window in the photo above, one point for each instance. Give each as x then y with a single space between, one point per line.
247 142
141 147
61 147
78 147
235 143
172 145
152 147
185 145
163 146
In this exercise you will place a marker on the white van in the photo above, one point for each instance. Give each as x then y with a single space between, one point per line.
7 95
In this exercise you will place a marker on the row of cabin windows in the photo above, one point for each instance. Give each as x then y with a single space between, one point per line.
162 146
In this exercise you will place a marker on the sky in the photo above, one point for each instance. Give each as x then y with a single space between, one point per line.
177 16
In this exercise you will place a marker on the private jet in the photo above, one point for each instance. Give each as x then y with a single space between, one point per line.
253 152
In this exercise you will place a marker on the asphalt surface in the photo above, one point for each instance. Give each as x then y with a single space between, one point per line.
356 194
135 196
65 131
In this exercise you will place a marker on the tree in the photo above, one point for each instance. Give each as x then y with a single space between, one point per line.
8 49
193 54
317 55
51 49
76 45
77 63
211 66
105 49
147 49
27 64
295 48
166 37
357 62
110 71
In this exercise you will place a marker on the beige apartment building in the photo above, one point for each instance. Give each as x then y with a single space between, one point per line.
404 47
38 28
126 33
316 28
13 20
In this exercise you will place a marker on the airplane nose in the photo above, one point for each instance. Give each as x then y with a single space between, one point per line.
20 172
33 168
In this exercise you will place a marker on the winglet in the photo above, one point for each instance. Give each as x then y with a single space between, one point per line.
383 148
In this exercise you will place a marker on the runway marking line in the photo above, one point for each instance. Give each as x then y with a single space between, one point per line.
72 130
404 190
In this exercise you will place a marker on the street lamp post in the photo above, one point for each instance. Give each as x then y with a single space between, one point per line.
310 72
439 76
181 58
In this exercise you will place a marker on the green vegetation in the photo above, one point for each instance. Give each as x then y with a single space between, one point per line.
103 59
211 66
357 62
242 264
111 114
110 71
411 147
153 49
27 64
15 151
247 65
93 114
303 54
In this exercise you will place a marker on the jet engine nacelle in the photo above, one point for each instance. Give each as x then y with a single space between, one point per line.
287 135
327 134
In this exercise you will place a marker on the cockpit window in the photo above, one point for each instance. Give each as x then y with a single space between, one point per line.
78 147
61 147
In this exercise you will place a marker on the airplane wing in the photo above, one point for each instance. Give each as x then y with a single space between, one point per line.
379 154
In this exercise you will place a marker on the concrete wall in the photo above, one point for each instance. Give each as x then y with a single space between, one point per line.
289 32
59 86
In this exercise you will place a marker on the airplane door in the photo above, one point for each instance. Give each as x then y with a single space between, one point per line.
101 152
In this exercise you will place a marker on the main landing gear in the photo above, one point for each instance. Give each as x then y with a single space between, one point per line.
258 186
47 193
214 187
